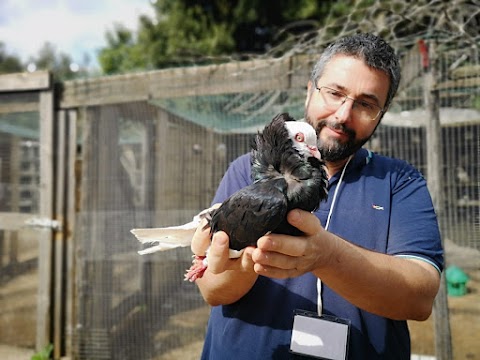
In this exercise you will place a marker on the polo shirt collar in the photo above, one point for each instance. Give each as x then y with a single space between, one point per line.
361 158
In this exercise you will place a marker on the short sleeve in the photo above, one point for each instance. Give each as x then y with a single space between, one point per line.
237 176
414 230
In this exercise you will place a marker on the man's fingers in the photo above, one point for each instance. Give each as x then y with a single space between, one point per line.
218 253
276 273
201 239
304 221
290 252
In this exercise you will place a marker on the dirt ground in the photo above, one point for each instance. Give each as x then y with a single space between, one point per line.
464 311
464 314
14 353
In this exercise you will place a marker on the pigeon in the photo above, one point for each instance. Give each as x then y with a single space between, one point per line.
287 173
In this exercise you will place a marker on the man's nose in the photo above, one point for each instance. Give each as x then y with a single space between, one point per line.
345 111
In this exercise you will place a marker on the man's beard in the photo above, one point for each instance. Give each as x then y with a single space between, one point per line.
336 150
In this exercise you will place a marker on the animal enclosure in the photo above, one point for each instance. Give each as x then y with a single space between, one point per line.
149 149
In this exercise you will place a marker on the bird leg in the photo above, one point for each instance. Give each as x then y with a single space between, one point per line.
199 265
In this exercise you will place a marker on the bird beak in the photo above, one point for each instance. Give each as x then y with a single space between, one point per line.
314 151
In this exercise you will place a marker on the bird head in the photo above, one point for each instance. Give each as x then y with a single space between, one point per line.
304 138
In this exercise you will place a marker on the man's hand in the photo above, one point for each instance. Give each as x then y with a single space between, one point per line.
218 256
283 256
225 280
217 246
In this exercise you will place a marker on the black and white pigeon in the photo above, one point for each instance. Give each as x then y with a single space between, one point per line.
287 173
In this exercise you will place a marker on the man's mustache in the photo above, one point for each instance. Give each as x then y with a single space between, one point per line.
338 127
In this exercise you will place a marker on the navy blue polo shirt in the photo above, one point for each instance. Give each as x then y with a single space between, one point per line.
382 204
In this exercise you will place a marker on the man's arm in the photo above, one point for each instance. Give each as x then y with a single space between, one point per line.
389 286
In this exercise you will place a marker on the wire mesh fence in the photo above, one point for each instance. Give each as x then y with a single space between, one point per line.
19 200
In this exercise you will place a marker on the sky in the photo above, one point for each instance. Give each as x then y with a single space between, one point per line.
74 27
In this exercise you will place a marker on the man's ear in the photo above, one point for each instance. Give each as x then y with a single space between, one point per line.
309 92
383 113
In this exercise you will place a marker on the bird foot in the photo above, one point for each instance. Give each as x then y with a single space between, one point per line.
199 265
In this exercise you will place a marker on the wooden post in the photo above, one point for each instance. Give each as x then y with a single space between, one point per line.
161 175
58 243
443 341
69 228
12 236
45 249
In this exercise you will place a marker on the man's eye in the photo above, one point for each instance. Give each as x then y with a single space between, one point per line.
336 94
365 105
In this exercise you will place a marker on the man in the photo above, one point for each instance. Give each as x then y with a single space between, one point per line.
371 254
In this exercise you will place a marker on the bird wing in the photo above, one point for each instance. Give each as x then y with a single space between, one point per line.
251 213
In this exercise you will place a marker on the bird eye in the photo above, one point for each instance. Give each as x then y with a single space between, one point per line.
300 137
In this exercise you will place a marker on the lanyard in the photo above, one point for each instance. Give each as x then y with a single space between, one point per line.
319 282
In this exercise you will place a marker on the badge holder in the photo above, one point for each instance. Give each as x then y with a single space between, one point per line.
319 337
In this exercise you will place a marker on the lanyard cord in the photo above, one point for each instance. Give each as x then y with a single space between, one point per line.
336 193
319 282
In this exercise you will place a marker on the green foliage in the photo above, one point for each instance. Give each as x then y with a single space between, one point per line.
43 354
185 32
122 53
46 59
8 63
57 63
476 102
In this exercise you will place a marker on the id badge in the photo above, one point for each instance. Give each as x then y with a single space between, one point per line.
320 337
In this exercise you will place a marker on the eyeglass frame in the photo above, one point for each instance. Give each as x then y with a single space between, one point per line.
355 101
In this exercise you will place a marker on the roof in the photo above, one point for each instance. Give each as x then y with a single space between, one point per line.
419 117
248 113
25 124
235 113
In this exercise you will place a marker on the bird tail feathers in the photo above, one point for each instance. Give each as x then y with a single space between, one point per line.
169 237
166 238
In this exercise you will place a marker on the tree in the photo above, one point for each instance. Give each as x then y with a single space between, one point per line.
58 63
122 53
8 63
185 32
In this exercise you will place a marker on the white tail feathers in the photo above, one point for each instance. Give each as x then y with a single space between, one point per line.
168 237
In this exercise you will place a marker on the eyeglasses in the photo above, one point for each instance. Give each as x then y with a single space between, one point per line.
362 110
